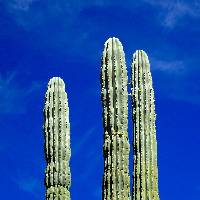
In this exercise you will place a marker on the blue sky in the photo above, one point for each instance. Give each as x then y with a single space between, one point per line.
40 39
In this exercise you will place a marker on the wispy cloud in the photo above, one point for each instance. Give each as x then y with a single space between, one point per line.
13 96
198 188
23 11
73 5
92 166
97 193
31 14
186 92
83 140
171 12
28 182
23 5
171 66
176 83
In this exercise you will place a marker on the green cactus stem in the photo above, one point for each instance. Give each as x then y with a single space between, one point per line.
116 180
145 172
57 141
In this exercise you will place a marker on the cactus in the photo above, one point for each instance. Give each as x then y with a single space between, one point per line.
57 141
145 173
114 95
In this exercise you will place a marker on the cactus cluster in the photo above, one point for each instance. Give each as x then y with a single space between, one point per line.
116 147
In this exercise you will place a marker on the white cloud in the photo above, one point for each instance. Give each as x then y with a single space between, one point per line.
171 12
56 6
22 5
85 138
27 181
185 92
176 83
92 166
98 193
28 184
175 66
13 96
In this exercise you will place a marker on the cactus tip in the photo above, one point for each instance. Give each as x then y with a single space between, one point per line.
111 39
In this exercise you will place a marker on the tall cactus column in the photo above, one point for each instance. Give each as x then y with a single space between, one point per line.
145 175
57 141
116 181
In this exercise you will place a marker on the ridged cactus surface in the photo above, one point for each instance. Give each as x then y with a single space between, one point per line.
57 141
145 175
116 180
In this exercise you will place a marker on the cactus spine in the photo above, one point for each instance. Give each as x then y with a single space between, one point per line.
145 173
57 141
116 181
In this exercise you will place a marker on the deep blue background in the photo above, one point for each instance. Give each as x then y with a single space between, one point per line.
40 39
